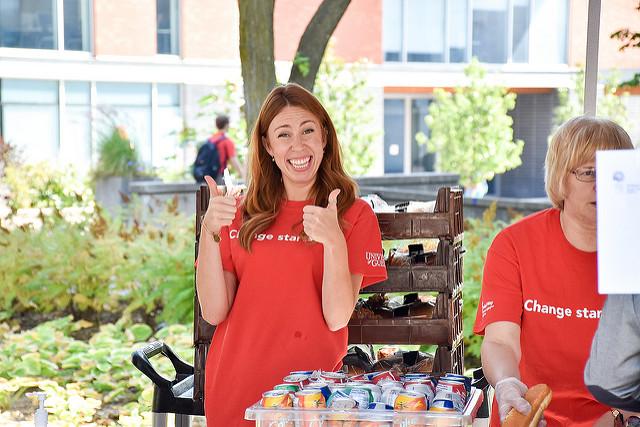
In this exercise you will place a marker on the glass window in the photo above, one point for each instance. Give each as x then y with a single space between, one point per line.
457 30
489 30
75 147
425 31
392 30
166 147
393 135
28 24
520 40
167 20
549 24
25 102
421 160
127 105
76 25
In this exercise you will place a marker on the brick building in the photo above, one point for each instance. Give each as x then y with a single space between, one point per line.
67 66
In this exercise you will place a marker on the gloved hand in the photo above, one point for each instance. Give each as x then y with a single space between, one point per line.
509 394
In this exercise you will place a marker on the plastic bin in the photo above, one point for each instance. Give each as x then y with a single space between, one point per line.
296 417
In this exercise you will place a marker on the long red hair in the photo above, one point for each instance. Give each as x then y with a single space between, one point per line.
265 191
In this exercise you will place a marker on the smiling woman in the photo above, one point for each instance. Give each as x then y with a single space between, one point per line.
280 270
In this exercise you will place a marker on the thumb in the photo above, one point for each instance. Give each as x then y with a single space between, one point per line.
333 199
213 187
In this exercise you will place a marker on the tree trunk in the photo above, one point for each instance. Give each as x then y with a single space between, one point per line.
314 40
256 54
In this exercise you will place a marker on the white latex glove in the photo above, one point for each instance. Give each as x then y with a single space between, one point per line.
509 394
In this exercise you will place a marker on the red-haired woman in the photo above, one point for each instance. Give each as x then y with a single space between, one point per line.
280 270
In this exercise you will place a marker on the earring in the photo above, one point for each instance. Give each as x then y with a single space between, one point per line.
273 159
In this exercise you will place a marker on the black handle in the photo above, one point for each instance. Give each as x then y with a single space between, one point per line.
140 359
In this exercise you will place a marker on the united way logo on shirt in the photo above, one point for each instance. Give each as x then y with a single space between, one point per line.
486 307
374 259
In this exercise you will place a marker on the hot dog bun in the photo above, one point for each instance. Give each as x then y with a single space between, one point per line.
539 396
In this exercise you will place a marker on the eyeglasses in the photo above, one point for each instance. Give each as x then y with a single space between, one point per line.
585 174
620 421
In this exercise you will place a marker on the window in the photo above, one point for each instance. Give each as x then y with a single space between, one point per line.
127 105
75 146
421 160
34 24
167 21
28 24
495 31
394 135
25 102
76 25
168 123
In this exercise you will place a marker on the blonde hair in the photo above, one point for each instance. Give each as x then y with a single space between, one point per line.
574 144
266 190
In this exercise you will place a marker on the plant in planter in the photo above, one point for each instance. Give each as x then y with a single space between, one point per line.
471 133
118 163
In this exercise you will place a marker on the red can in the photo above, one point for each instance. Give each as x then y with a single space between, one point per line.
452 387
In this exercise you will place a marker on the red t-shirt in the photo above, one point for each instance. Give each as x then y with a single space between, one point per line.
276 323
534 277
226 149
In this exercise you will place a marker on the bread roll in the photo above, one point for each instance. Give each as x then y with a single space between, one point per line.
539 396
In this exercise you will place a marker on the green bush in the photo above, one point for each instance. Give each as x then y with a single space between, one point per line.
100 265
86 381
478 235
117 155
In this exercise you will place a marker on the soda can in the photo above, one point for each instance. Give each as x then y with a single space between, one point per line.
387 384
382 377
322 387
390 394
376 391
361 395
453 387
333 377
422 387
445 400
292 388
341 400
276 399
299 379
307 373
414 376
461 378
410 401
380 406
310 398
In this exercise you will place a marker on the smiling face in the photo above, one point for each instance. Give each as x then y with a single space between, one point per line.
296 139
580 198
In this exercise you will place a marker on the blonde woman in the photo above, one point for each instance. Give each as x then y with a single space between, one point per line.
539 305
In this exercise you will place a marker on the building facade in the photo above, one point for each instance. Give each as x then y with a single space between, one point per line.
71 68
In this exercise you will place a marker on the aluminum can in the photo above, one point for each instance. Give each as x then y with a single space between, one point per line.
322 387
333 377
453 387
310 398
292 388
381 377
380 406
299 379
444 401
410 401
425 388
376 391
276 399
341 400
390 394
385 385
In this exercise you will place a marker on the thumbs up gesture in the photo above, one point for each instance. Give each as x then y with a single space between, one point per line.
321 224
221 210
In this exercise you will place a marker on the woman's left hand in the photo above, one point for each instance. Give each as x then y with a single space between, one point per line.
321 224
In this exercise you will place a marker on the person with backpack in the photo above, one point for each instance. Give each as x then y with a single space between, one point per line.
216 153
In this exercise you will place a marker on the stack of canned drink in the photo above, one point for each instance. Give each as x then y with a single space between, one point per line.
374 391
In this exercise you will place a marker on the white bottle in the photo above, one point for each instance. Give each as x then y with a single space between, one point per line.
41 417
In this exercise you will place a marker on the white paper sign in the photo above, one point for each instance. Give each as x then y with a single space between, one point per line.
618 207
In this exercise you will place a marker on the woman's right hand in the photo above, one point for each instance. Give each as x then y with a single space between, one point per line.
510 394
221 210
